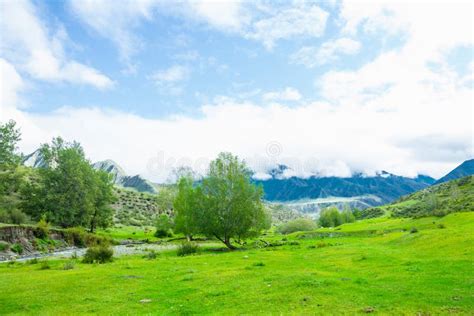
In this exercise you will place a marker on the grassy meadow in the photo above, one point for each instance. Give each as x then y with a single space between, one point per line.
383 266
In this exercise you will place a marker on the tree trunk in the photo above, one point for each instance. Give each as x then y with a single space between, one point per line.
228 244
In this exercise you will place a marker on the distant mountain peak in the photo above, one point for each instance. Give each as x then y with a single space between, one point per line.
278 171
463 170
384 174
120 178
112 168
34 160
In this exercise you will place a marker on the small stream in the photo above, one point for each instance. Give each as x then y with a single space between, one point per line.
119 250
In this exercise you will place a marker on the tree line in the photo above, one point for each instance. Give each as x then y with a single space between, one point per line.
66 190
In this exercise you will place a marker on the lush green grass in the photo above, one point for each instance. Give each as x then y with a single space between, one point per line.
129 232
390 271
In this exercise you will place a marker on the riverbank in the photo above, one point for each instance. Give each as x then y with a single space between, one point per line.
28 241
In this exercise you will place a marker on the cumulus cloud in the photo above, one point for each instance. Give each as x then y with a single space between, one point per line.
31 46
288 94
312 56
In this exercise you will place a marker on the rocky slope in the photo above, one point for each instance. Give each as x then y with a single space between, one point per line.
121 179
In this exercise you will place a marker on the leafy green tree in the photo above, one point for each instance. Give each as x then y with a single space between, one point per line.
103 196
231 206
165 197
164 224
12 174
330 217
186 207
9 138
69 191
347 215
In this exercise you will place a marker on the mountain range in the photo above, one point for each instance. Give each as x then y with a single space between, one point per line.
305 194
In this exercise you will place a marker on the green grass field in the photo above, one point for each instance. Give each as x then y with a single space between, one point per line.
129 232
375 265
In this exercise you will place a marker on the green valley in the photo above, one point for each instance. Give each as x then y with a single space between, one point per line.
377 265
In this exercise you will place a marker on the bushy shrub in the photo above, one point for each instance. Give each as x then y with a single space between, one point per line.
18 217
17 248
76 236
45 265
347 216
99 254
13 216
69 265
163 226
80 238
150 255
33 261
187 248
369 213
296 225
4 246
4 216
331 217
42 228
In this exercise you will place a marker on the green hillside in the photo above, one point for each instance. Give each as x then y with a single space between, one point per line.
438 200
133 208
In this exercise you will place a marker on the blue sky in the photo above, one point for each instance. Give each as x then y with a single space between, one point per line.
329 83
215 63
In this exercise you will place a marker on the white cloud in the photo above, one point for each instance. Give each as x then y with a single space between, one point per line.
11 84
28 43
116 20
170 80
221 14
316 138
312 56
288 94
285 23
172 74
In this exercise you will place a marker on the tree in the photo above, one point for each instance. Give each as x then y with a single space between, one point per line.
347 215
9 138
69 191
330 217
103 212
186 207
231 206
12 175
164 224
164 198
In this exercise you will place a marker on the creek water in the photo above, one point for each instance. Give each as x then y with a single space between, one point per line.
119 250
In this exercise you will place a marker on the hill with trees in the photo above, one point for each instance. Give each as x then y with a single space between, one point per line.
437 200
